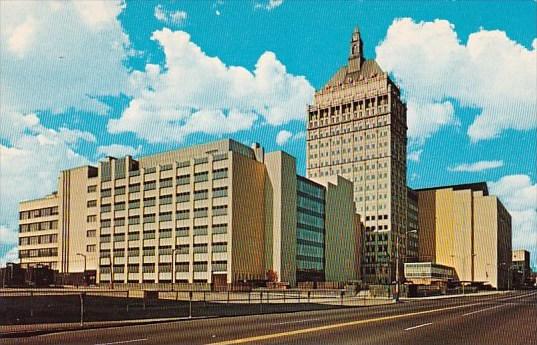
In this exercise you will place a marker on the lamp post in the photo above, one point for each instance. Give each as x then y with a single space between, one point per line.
84 273
173 265
397 278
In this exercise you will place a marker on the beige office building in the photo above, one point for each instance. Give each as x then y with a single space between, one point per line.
464 227
356 128
227 212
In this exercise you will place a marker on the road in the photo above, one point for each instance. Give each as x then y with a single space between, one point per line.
500 319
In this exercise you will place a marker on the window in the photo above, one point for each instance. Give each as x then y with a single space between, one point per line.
200 212
182 232
105 239
219 247
165 233
134 204
183 197
182 267
106 208
219 228
150 185
166 268
220 210
200 248
165 216
149 235
219 173
119 238
92 189
119 253
183 214
120 190
149 251
150 170
165 250
91 219
149 218
200 266
201 176
201 194
105 223
119 206
133 220
200 230
133 252
92 203
148 202
91 233
183 179
135 187
148 268
134 236
166 167
219 266
106 192
133 268
183 249
165 199
167 182
219 192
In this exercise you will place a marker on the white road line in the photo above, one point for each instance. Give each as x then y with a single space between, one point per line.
298 321
123 341
418 326
482 310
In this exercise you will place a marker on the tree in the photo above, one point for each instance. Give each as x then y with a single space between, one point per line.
272 276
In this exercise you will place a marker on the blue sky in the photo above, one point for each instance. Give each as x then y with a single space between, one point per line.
84 80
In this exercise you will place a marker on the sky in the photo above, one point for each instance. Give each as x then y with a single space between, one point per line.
85 79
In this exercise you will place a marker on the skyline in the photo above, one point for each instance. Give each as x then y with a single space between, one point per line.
129 89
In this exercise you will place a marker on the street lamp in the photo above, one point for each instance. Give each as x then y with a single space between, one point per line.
84 273
173 265
397 279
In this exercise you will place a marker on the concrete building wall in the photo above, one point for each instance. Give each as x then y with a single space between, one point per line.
486 251
281 227
427 226
39 232
248 219
340 235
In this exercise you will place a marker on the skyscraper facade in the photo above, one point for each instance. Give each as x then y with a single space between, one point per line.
356 128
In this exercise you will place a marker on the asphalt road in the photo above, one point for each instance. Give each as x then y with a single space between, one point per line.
500 319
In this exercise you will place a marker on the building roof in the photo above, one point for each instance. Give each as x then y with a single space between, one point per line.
368 69
476 186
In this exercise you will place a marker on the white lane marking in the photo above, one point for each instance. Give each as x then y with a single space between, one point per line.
418 326
123 341
482 310
298 321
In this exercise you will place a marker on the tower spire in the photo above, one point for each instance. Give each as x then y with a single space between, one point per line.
356 56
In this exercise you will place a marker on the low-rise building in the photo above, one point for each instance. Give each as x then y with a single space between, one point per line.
521 268
218 213
463 227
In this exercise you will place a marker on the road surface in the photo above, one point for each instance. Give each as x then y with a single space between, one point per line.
499 319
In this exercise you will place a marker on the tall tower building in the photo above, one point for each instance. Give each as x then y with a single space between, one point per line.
357 129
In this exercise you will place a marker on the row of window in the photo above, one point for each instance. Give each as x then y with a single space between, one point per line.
49 225
198 266
41 212
42 239
36 253
199 230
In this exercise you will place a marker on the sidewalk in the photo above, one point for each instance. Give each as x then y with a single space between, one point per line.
476 294
16 331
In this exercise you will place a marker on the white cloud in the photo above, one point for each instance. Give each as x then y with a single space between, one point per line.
61 55
8 236
282 137
117 150
519 196
414 155
269 5
170 17
12 255
476 166
491 73
197 93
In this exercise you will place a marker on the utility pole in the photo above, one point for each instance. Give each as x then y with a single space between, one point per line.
173 265
396 268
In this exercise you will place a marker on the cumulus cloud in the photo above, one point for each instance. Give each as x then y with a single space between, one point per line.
269 5
117 150
476 166
284 136
196 93
10 255
61 55
519 195
414 155
170 17
490 73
